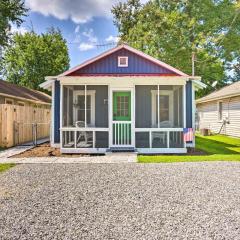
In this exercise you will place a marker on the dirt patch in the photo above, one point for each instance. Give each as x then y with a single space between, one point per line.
195 152
45 150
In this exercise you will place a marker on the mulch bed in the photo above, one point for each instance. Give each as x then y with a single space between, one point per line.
45 150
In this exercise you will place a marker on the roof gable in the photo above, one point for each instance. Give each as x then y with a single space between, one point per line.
138 64
229 90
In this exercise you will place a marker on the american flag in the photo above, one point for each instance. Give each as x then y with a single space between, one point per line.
188 134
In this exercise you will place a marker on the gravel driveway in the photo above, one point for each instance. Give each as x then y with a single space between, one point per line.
121 201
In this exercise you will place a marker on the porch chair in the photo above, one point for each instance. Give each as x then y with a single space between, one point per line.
85 143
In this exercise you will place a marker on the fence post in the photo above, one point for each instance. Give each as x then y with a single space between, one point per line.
34 133
36 126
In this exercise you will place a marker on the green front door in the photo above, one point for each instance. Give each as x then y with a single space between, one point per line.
122 118
122 106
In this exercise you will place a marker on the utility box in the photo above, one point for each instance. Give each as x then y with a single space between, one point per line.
205 131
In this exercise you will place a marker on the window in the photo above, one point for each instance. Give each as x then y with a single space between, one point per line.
165 109
220 111
122 61
21 104
79 106
8 101
122 106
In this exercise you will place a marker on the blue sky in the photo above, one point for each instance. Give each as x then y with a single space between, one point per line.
84 24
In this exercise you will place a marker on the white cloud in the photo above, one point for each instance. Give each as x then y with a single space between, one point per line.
89 34
86 46
91 40
20 30
79 11
77 29
77 38
112 39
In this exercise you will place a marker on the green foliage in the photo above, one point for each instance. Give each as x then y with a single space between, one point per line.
31 57
11 11
236 72
4 167
217 148
171 30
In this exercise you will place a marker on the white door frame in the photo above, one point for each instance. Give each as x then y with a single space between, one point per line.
110 107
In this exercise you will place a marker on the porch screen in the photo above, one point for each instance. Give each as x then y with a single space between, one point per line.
159 106
85 106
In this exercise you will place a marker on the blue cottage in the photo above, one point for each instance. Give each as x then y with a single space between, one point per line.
123 100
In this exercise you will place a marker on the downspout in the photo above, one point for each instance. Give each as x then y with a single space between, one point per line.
226 120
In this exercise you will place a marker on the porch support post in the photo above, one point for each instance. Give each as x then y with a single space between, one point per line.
61 114
85 101
158 107
184 109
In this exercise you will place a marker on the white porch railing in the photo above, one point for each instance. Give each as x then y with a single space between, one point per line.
122 133
147 140
74 138
160 138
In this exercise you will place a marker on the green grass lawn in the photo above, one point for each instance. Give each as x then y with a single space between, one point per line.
217 148
4 167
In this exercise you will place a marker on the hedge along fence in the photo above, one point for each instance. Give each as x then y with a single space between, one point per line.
19 124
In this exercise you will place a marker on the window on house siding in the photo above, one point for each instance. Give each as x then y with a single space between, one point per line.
122 61
81 109
220 110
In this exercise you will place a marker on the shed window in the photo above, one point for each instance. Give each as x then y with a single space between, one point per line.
21 104
122 61
8 101
220 111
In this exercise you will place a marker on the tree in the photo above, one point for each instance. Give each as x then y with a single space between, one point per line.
11 12
172 30
236 71
31 57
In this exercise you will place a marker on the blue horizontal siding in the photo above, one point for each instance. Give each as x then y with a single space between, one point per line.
189 104
136 65
57 112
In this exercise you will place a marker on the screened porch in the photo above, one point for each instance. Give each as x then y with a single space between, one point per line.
84 117
159 117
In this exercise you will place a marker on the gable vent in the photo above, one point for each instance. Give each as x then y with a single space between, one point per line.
122 61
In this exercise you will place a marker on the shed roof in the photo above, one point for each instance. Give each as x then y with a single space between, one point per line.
16 91
225 92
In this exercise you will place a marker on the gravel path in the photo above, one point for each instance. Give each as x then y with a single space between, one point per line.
121 201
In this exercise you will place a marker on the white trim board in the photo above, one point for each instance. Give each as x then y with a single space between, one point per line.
83 150
161 150
123 81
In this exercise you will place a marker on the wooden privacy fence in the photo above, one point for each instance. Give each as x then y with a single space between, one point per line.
21 124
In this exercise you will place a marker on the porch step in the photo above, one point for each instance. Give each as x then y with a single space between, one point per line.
122 149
